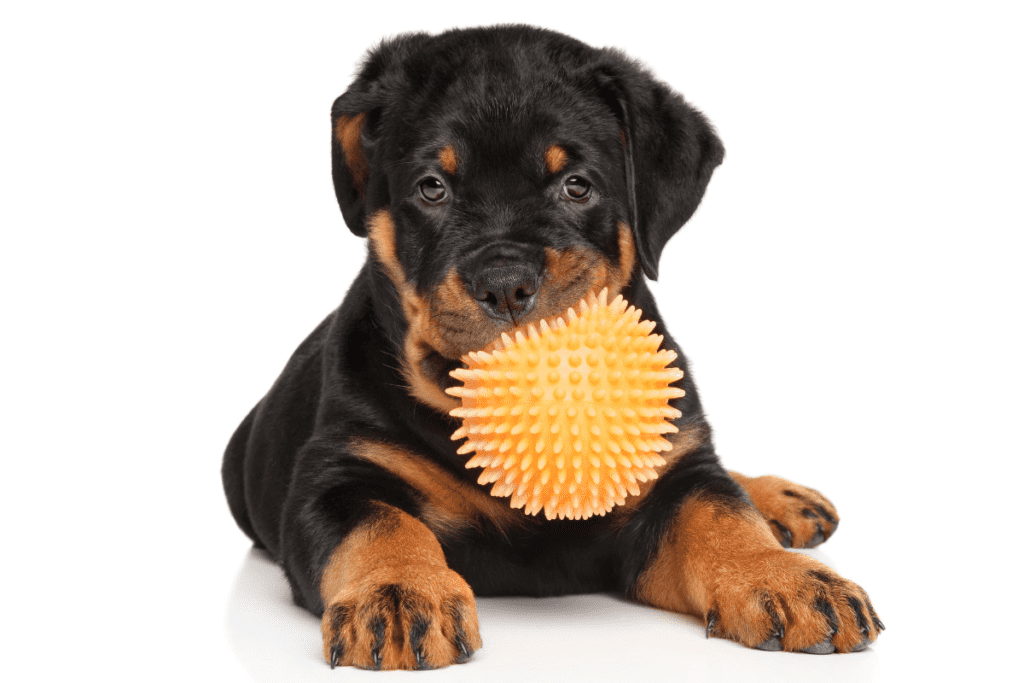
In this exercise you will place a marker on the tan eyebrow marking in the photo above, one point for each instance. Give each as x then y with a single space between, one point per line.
555 158
449 159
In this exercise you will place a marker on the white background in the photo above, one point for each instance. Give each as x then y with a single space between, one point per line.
849 295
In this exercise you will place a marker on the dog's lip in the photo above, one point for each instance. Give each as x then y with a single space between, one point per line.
524 327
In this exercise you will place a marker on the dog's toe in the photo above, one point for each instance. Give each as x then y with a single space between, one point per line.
862 645
817 539
825 647
773 644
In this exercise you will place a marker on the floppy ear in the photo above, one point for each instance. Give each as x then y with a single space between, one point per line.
670 152
355 123
349 166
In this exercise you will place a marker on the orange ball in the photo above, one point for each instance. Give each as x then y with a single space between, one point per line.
569 416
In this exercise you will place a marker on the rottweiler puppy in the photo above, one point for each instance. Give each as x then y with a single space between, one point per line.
500 175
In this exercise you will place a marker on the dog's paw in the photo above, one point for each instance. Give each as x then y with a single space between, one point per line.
799 517
788 601
402 618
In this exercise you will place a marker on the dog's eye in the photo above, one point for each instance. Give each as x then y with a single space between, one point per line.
432 190
576 189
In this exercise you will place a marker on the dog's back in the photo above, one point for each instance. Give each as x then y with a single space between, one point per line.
260 457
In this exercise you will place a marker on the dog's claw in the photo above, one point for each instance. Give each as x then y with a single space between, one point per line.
417 632
874 617
336 654
712 619
460 645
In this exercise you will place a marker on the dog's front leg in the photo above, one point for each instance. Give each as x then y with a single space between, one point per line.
391 602
718 559
355 551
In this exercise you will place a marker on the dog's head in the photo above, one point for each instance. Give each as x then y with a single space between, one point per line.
503 173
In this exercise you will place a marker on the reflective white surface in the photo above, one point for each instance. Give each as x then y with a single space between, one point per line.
585 638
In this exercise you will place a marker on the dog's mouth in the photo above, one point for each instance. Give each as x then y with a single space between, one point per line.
437 369
458 323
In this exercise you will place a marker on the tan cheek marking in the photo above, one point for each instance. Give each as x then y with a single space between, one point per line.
449 159
555 159
562 272
420 386
451 300
381 229
426 336
573 271
348 131
627 261
452 504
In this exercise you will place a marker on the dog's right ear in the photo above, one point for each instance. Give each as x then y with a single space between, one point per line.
355 118
350 166
355 125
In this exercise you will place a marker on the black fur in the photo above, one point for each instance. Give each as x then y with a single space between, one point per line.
291 480
787 535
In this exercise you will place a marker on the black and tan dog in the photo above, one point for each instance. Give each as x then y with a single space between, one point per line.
501 174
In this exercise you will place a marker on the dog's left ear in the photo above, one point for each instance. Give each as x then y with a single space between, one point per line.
670 150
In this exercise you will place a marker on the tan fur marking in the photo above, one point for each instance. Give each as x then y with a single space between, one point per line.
450 323
397 554
768 495
627 259
416 346
449 159
555 159
381 229
423 388
348 131
562 268
683 574
570 274
391 537
451 504
727 559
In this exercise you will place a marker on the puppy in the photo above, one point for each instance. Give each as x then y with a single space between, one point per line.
500 175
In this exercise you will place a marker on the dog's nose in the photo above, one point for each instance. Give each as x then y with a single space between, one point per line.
504 279
506 293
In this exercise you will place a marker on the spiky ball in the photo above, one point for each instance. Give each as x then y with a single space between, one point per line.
569 416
